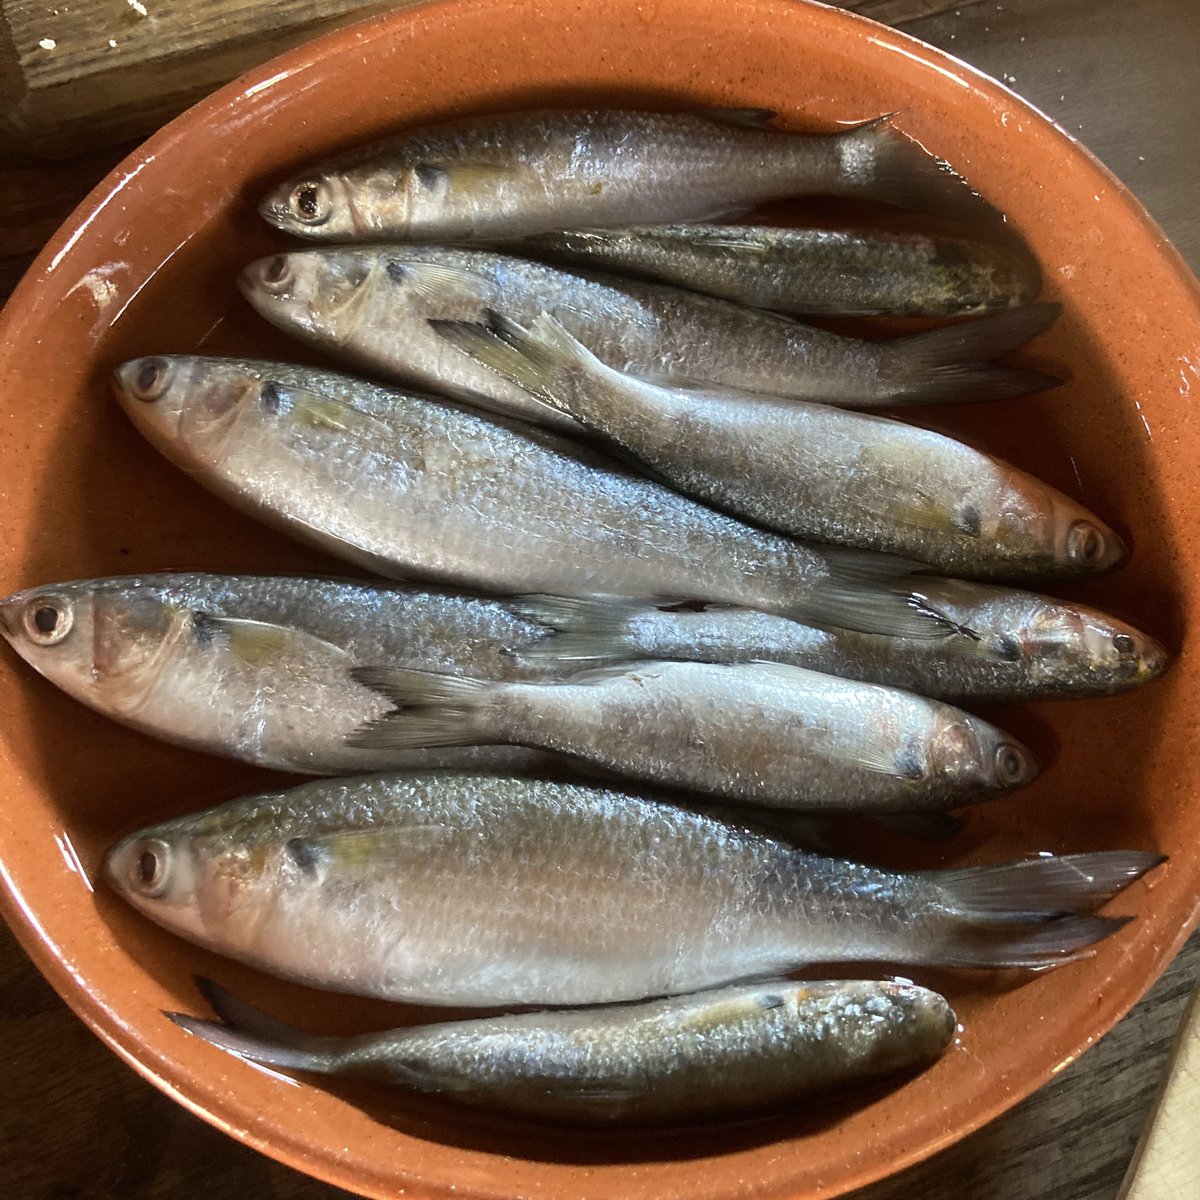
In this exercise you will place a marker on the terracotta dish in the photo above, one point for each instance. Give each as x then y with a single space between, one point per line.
147 265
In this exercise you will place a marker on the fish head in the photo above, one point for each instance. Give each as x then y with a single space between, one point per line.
974 756
209 877
320 205
187 407
318 294
1075 649
371 200
1062 536
104 642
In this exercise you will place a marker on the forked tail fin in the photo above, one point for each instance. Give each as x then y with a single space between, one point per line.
245 1031
952 364
1032 912
879 162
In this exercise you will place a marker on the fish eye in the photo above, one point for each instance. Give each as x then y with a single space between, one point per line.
1010 763
150 379
149 866
310 203
1123 644
1085 542
48 619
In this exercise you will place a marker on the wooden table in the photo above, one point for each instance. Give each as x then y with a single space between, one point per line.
76 1124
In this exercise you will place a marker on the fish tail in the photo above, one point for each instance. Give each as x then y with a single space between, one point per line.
878 162
543 359
1032 912
245 1031
431 710
583 630
952 363
1054 943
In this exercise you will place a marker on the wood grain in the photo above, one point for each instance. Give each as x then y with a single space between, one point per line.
1167 1159
76 1124
78 75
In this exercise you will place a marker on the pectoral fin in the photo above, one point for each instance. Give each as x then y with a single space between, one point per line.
464 176
349 849
260 643
315 411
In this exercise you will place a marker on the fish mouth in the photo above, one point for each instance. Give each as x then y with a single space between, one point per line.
1117 552
1152 662
8 615
273 208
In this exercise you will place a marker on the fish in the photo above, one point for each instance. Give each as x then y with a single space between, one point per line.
257 668
405 485
369 307
757 733
810 470
522 173
810 270
710 1056
490 891
1026 646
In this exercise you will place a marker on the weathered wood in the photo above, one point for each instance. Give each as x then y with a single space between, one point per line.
900 12
77 75
1167 1159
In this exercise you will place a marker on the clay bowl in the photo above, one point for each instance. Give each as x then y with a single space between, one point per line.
147 265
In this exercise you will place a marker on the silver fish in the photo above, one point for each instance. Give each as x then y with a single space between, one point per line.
406 485
817 271
1028 647
523 173
369 306
709 1056
843 478
485 891
258 667
756 733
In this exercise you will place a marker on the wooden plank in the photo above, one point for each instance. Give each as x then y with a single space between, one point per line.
899 12
1166 1162
74 76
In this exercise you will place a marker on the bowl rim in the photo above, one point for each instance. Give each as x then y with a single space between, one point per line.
218 1108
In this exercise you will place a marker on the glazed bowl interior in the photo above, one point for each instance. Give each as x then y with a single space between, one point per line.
147 265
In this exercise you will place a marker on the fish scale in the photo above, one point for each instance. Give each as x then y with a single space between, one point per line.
811 470
370 306
407 486
257 667
522 173
387 886
757 733
709 1055
815 271
1029 647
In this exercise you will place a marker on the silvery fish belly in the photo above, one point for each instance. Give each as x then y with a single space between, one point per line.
810 270
1026 646
388 886
258 667
522 173
844 478
370 307
713 1055
406 485
758 733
